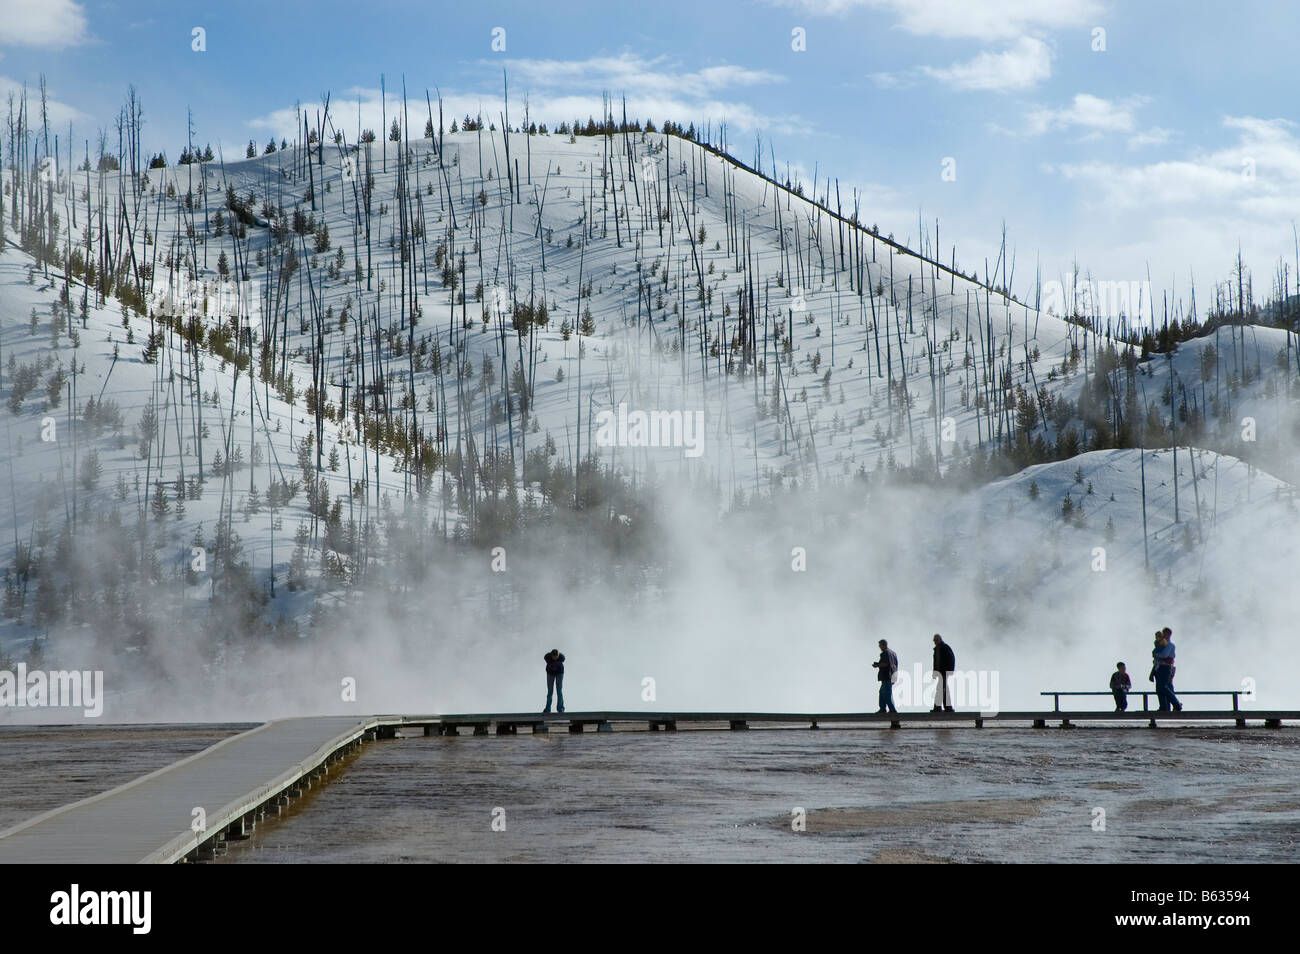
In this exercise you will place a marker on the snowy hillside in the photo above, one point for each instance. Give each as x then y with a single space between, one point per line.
465 325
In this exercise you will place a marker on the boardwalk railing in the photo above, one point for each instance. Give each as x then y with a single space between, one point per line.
1057 693
509 723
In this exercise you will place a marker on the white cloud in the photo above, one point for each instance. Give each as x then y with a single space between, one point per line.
563 90
1186 215
1091 113
51 24
1022 66
60 113
1155 136
969 19
635 73
1253 181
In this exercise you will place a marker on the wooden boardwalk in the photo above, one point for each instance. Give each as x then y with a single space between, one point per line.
248 777
509 723
149 819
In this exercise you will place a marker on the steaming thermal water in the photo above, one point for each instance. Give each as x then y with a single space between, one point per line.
43 767
997 794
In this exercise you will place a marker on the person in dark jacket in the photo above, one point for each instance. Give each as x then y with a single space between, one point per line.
1164 673
1120 684
886 671
945 663
554 679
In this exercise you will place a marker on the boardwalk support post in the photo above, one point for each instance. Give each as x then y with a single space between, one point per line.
738 724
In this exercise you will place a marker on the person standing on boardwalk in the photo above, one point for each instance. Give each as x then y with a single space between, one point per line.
1164 673
945 663
554 679
1120 684
886 672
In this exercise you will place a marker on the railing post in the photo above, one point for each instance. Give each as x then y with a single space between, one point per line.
1234 701
1056 703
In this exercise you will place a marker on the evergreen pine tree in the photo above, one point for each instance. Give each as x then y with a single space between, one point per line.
91 470
159 505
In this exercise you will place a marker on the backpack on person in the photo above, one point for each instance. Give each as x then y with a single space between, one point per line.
893 667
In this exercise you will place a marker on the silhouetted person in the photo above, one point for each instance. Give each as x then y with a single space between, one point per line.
945 663
1164 673
554 679
1120 684
886 671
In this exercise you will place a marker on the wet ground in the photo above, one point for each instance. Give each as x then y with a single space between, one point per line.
962 795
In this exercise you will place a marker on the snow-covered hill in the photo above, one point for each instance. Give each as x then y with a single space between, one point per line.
475 323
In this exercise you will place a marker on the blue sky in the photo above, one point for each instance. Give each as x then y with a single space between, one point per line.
1164 150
